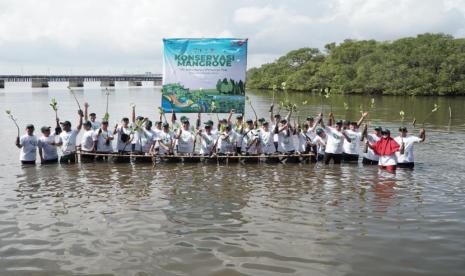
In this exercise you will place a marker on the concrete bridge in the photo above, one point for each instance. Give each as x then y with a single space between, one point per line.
41 81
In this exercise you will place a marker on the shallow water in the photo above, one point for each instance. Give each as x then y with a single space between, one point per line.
193 219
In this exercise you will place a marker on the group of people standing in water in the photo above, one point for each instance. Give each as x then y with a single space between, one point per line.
337 140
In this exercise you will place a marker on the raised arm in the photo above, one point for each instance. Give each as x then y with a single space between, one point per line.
322 123
331 119
133 113
422 135
231 112
360 121
79 124
57 127
86 111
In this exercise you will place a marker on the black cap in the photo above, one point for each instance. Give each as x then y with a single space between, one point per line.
378 128
310 119
66 123
386 131
139 118
166 125
261 120
277 116
87 123
239 117
283 121
92 114
265 123
339 122
249 121
403 129
30 126
45 128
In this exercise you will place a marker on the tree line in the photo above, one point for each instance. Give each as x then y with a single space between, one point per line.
428 64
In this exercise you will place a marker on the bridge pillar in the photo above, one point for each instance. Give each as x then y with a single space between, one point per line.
76 83
2 83
107 83
157 83
39 83
134 83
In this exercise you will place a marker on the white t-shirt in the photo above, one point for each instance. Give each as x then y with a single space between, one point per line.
49 151
28 150
95 125
285 141
69 141
387 160
267 142
120 145
87 140
150 136
157 133
335 141
167 139
186 142
101 139
311 132
321 144
237 129
370 154
248 138
275 135
227 142
208 140
407 157
352 147
303 138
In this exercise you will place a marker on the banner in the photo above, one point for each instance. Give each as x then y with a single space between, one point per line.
204 75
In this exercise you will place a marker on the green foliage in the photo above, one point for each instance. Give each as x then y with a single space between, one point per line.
428 64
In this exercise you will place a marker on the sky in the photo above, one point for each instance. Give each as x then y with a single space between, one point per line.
123 36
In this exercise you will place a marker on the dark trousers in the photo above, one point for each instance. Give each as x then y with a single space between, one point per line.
367 161
407 165
332 156
50 161
28 162
352 158
70 158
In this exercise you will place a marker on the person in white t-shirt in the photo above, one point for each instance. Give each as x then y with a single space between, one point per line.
405 154
227 141
320 141
48 146
352 148
103 138
207 139
239 129
124 132
334 145
87 143
92 117
185 139
285 133
69 139
157 130
165 141
369 156
266 140
249 139
148 138
28 146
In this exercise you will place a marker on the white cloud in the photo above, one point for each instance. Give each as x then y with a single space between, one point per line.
124 35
